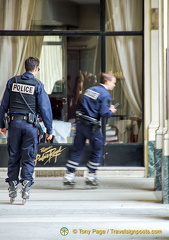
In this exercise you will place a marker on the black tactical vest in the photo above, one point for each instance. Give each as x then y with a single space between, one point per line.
20 90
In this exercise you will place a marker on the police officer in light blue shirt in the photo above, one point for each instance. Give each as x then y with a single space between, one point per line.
95 103
24 98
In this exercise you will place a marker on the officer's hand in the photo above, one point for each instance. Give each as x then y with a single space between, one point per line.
114 110
49 136
3 131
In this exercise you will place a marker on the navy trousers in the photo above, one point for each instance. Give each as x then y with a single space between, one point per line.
22 150
84 132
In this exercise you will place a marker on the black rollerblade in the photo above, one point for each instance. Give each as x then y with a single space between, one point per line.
25 190
13 185
91 180
69 179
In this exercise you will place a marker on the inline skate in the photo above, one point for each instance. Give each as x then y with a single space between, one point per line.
13 186
25 190
69 179
91 179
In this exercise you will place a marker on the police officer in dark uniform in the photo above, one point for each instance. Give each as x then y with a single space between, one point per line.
96 103
24 98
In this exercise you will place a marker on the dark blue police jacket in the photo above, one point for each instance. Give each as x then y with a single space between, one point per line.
96 102
43 102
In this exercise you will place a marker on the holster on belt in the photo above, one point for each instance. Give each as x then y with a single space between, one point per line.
6 121
88 121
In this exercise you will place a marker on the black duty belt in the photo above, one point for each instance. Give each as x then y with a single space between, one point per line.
87 120
84 121
18 117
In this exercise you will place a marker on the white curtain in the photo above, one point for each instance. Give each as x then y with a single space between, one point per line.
16 15
51 63
124 15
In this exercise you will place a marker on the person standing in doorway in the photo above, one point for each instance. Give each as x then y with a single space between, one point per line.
24 98
95 103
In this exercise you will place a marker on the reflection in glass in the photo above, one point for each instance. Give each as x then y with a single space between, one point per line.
49 14
67 14
58 86
124 58
83 69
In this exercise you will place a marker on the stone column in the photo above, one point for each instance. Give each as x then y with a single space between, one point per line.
165 170
165 155
153 94
158 160
160 86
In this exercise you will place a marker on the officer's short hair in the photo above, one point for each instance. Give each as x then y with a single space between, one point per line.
31 63
106 77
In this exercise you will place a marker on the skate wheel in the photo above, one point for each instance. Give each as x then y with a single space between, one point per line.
89 186
23 201
69 183
92 184
12 200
